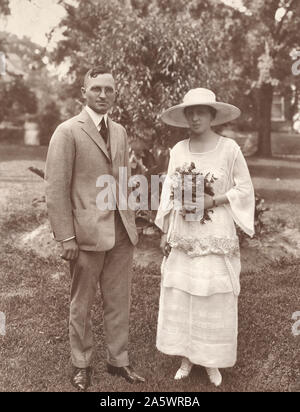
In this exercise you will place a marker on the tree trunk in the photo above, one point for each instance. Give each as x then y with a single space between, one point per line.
265 99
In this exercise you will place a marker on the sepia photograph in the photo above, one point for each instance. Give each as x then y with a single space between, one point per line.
149 198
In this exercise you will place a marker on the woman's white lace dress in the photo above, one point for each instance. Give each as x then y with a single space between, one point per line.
200 278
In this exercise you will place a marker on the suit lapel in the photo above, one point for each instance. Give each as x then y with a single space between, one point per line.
113 138
88 126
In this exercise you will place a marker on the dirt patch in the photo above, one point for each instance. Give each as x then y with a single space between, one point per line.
40 241
255 253
20 293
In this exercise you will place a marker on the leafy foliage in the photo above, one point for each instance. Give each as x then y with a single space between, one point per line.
4 7
271 33
31 89
260 226
48 120
17 99
157 54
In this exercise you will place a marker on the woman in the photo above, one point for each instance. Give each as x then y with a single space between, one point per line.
200 277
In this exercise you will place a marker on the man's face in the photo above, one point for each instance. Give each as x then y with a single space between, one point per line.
100 93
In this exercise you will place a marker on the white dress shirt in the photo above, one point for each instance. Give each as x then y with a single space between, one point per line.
96 117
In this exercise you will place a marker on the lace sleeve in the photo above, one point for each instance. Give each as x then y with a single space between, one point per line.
241 196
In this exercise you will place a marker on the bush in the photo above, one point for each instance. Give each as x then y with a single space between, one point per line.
48 120
259 224
12 135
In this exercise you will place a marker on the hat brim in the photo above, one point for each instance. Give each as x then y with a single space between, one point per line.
174 116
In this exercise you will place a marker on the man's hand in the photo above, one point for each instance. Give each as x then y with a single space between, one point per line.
69 250
164 246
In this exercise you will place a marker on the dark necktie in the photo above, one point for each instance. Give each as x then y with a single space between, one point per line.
103 130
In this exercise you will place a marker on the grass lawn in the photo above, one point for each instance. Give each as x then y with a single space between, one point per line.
19 152
34 353
285 143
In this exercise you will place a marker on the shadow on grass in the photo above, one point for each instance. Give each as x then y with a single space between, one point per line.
279 196
21 152
273 172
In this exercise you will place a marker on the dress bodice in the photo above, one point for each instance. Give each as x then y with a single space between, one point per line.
213 246
217 162
219 234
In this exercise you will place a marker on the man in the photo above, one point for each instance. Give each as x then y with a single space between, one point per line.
98 243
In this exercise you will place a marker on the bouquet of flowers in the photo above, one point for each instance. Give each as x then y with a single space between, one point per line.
182 184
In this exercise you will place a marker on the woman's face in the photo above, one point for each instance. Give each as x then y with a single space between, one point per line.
199 118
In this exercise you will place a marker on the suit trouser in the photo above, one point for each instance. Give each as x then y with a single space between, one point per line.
112 269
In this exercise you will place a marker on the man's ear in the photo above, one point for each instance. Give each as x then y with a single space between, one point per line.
83 91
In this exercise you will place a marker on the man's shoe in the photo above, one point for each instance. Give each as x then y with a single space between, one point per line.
126 372
81 378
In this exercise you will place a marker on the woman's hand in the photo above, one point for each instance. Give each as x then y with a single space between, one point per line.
208 201
219 200
164 246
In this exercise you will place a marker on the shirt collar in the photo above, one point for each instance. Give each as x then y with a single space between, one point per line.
96 117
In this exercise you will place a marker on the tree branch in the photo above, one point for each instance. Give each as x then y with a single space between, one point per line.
280 24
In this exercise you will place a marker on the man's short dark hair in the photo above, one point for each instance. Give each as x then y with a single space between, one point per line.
95 71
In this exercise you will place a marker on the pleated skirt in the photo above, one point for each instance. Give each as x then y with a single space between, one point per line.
201 328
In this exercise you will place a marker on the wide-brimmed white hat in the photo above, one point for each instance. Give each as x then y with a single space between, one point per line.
174 116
